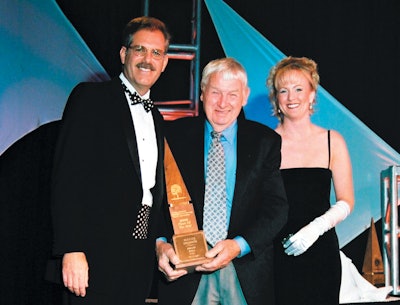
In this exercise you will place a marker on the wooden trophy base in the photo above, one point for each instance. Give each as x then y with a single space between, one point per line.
191 249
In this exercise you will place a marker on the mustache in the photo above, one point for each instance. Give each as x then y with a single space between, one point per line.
145 65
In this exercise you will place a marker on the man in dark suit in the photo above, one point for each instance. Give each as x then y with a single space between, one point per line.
241 269
108 176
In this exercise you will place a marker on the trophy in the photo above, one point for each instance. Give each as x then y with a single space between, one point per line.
189 242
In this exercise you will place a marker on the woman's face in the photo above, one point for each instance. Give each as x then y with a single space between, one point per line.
295 94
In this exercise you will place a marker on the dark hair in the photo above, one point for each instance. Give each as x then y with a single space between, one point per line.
144 23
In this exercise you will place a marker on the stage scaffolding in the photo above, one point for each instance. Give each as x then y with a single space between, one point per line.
190 52
390 179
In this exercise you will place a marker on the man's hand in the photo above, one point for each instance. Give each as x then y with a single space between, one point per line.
166 256
223 253
75 272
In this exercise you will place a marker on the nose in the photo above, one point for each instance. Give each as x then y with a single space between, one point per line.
222 101
290 95
147 56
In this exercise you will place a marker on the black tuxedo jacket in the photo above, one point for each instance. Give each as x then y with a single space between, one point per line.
259 207
97 191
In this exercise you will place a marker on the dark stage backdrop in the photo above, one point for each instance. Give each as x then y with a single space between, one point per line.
355 42
349 40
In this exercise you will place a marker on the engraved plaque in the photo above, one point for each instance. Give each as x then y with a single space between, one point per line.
190 248
183 218
189 242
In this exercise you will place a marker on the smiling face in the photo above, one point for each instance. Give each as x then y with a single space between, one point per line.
223 98
295 94
143 70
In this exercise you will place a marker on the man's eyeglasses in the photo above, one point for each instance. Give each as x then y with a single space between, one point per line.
141 51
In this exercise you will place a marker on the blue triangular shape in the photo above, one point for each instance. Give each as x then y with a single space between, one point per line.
369 153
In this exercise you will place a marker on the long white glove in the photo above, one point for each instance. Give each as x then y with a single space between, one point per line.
306 236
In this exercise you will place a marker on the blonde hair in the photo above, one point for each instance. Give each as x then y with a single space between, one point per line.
306 65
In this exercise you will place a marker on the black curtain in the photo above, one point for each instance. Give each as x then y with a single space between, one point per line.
355 42
25 224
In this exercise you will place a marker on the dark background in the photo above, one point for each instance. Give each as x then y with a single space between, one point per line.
355 42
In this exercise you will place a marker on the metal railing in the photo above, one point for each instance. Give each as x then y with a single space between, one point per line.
173 109
390 179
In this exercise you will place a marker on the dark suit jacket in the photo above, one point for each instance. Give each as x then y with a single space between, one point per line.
259 208
97 191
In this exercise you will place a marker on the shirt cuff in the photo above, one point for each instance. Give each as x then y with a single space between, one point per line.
244 246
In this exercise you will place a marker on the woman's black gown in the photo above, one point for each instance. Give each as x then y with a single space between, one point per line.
313 277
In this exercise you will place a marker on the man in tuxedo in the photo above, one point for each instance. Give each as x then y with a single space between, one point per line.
108 177
241 269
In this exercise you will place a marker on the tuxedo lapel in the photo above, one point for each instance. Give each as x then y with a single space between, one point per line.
158 122
127 124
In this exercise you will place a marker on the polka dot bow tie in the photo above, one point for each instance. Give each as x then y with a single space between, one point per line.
136 99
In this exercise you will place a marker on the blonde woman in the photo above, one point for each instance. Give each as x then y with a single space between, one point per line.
308 269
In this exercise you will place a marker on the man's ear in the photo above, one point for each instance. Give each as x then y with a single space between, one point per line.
122 54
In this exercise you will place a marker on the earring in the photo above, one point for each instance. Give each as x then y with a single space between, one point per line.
279 111
311 106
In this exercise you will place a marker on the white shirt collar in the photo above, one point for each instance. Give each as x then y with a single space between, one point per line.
131 88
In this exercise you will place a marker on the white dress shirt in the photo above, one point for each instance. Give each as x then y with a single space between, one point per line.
146 142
